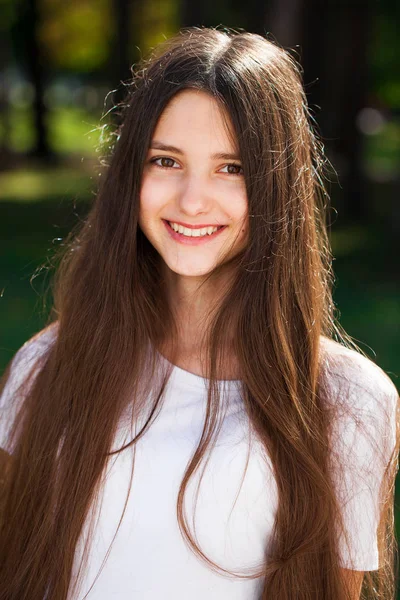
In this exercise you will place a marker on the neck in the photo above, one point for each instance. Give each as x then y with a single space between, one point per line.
194 302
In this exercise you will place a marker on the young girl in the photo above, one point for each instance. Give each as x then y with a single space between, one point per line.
193 424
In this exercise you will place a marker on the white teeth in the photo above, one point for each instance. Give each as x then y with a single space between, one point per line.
193 232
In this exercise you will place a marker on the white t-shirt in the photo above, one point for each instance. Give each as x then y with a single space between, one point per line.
237 500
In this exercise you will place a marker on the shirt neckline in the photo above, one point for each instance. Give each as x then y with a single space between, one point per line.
197 381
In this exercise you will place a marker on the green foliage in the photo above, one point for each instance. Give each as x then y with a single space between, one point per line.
8 14
71 130
384 56
29 236
154 21
382 151
367 291
28 185
76 35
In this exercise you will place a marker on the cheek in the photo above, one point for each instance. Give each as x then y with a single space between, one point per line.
148 196
244 233
235 200
242 215
243 225
152 199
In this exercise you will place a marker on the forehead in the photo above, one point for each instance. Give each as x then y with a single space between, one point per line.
193 114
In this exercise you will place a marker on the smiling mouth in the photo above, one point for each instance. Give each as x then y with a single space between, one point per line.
194 232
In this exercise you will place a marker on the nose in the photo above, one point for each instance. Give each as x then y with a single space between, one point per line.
195 197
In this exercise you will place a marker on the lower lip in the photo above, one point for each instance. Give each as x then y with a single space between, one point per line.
192 241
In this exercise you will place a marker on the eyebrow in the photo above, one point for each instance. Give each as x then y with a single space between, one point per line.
167 148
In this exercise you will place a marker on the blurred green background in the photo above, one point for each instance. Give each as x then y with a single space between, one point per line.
61 75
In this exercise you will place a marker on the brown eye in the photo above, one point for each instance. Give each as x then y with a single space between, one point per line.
164 161
233 169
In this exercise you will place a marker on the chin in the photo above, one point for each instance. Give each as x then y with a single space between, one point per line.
191 270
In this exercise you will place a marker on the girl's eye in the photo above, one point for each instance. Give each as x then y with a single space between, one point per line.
233 169
169 163
164 162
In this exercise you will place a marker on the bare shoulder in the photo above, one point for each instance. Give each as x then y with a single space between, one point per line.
347 370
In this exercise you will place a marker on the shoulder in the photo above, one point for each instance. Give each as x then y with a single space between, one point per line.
346 370
28 357
36 346
364 401
19 377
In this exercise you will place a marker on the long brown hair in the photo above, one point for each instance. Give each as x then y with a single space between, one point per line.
111 313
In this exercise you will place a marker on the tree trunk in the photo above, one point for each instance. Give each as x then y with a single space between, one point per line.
121 61
335 74
35 71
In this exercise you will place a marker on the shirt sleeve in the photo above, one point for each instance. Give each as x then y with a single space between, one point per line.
20 367
363 440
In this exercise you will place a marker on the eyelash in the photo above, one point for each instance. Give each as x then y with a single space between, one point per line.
153 161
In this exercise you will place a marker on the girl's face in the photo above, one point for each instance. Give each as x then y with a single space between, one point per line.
193 183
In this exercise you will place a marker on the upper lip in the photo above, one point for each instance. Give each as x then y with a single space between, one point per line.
200 226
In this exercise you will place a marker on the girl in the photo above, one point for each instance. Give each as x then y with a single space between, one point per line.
194 422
